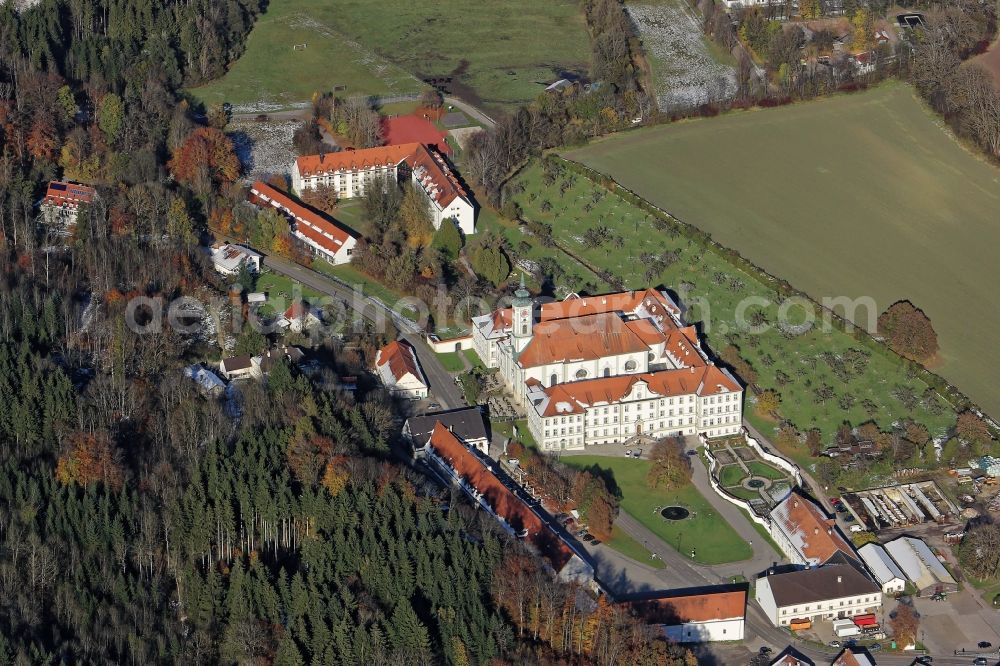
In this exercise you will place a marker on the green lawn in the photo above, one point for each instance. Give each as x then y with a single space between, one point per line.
731 475
500 53
758 468
452 361
797 365
862 195
473 358
714 540
278 286
271 72
623 542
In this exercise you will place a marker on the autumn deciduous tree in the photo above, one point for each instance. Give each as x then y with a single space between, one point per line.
908 331
971 428
601 518
90 458
670 468
768 402
336 475
904 622
206 155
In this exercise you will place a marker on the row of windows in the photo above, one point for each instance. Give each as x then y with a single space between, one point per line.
829 606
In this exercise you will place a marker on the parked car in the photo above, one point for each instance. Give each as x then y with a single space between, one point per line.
875 647
434 405
834 643
595 542
588 537
628 453
980 661
692 452
849 518
985 644
638 454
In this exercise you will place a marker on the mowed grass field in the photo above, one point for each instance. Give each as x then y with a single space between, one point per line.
497 53
271 74
856 195
503 52
714 539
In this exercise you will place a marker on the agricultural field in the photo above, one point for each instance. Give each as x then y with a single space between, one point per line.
715 540
862 195
823 377
277 72
496 54
687 69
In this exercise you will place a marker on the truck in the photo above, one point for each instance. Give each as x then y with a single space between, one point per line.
845 628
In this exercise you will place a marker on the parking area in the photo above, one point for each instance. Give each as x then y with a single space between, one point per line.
959 622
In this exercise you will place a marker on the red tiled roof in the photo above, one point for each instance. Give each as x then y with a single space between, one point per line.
355 160
400 358
62 193
810 531
652 301
435 177
413 129
575 397
674 610
580 338
308 222
503 502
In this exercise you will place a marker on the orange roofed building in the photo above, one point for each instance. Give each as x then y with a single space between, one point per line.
686 616
805 534
63 200
349 171
326 239
603 369
400 372
474 474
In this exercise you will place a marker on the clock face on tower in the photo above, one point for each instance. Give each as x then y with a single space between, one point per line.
522 322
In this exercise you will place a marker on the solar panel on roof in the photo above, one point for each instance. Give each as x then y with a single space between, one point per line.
58 187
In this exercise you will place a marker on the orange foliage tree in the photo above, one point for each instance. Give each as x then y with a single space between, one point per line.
336 475
207 152
90 458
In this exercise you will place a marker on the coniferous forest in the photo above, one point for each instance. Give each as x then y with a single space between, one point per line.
142 521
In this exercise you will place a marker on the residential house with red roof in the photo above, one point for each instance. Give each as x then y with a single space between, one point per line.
473 473
325 238
603 369
400 372
349 171
63 200
695 616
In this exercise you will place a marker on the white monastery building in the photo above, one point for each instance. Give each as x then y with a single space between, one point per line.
603 369
400 372
349 171
228 259
326 240
804 533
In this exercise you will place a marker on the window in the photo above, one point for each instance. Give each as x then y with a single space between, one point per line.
630 366
607 372
553 380
581 373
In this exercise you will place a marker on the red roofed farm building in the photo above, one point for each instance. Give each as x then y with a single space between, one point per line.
475 476
603 369
348 172
62 201
695 616
326 239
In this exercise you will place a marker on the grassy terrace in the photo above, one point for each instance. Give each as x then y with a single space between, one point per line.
629 547
801 367
497 53
714 540
271 72
861 195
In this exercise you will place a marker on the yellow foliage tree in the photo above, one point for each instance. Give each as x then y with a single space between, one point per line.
335 476
863 24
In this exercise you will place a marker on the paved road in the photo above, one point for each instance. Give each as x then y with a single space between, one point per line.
472 111
442 385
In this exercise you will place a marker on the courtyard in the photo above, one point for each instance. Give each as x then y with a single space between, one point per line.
702 535
742 473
